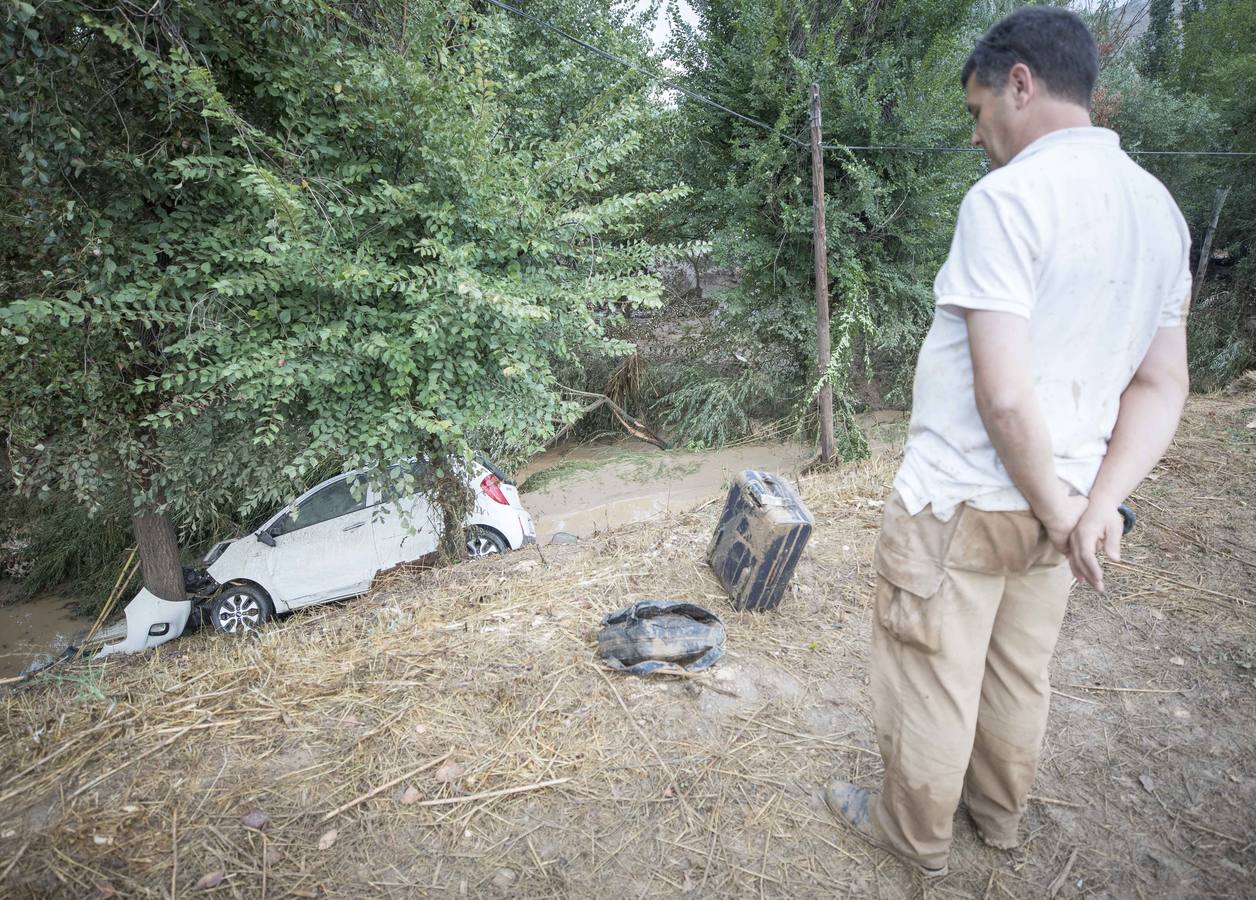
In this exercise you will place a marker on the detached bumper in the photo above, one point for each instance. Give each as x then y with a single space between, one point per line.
150 621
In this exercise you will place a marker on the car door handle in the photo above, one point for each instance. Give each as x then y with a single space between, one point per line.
352 527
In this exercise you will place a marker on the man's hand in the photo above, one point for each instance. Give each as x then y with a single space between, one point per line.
1061 521
1100 525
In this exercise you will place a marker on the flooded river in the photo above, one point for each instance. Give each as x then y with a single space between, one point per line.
580 491
41 626
587 490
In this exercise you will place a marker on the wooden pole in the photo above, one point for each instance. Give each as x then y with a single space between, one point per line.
822 280
1205 252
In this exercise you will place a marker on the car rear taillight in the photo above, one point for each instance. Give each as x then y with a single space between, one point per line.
491 485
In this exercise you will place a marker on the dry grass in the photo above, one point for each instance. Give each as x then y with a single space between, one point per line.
452 730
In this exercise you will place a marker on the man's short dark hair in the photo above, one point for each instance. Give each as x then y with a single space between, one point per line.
1054 43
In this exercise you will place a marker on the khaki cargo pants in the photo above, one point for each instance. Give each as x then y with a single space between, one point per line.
967 616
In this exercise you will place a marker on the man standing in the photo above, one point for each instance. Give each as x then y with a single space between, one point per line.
1050 383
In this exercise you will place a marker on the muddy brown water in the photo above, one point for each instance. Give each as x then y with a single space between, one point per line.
594 488
587 489
41 626
606 487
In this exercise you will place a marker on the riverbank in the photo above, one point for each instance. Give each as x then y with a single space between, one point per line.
450 734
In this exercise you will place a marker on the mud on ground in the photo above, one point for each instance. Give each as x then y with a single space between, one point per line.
449 735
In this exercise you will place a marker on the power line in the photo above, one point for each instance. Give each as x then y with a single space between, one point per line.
1189 153
759 123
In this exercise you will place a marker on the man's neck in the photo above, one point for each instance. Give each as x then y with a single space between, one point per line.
1055 115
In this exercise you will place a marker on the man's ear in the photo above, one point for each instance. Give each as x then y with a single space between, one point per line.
1021 82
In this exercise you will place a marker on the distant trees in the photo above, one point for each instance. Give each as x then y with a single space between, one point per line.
888 74
1197 91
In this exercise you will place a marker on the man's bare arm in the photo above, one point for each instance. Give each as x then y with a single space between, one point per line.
999 344
1151 407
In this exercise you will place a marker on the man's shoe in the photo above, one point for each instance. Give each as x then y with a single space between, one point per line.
851 806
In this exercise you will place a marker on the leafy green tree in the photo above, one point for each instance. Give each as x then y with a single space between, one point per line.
1161 41
250 241
1218 65
888 74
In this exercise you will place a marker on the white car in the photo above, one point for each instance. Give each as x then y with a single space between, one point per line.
328 545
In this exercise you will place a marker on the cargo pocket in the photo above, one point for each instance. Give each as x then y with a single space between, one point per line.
908 600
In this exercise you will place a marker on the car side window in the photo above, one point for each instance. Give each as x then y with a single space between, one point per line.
337 499
398 485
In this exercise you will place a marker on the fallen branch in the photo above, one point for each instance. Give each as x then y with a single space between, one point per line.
630 424
124 579
1053 802
1125 690
385 786
1155 573
1221 834
1071 697
489 795
1060 880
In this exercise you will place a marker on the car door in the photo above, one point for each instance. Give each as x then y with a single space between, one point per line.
406 527
324 546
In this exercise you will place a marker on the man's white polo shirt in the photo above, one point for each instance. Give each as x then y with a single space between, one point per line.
1092 250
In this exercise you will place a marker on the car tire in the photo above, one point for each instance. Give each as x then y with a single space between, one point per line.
238 609
482 542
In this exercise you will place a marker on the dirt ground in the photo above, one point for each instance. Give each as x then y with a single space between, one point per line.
450 735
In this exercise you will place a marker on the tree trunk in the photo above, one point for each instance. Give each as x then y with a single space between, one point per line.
453 544
159 555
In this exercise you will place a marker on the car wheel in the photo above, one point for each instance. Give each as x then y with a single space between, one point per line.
481 543
239 608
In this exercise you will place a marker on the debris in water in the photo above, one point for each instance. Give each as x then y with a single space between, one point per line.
660 636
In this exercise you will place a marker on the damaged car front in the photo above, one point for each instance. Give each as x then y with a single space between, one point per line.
152 621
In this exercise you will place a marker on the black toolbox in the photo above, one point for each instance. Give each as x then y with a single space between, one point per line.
762 533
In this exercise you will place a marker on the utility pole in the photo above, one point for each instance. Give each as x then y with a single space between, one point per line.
1205 252
822 280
